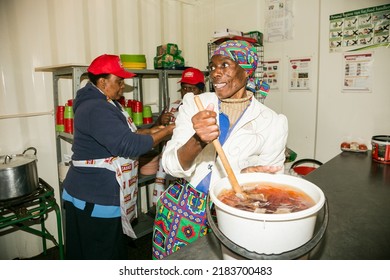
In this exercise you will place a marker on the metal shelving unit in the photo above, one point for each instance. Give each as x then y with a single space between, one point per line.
77 73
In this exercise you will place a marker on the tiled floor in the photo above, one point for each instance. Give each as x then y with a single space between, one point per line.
139 249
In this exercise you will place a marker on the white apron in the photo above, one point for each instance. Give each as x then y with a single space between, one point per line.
163 180
126 173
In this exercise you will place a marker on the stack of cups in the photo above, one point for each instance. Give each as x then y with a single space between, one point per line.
130 103
129 111
137 112
147 114
68 119
122 101
60 118
128 108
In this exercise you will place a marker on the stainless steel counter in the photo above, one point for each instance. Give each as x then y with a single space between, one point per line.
358 194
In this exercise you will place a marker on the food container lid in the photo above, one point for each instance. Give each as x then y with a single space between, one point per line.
382 138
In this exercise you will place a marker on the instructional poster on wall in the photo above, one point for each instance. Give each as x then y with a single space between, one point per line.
357 72
271 73
278 20
299 74
360 29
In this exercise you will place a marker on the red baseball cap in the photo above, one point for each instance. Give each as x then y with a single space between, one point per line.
109 64
192 76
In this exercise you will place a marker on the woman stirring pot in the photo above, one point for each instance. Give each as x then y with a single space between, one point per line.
252 136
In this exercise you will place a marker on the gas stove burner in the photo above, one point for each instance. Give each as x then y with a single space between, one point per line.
40 191
31 210
21 199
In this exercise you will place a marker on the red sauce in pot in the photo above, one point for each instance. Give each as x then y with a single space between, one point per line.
268 198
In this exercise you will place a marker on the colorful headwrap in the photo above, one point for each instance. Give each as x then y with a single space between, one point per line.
245 55
241 52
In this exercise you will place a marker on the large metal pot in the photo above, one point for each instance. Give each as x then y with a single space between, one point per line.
18 175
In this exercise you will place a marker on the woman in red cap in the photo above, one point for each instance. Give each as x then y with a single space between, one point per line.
100 189
192 80
252 136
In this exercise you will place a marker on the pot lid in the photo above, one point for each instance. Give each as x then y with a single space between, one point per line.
13 161
383 138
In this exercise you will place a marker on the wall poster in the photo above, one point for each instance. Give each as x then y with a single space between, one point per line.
278 20
357 72
271 73
360 29
299 74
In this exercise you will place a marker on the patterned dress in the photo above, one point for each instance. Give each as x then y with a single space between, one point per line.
181 211
180 218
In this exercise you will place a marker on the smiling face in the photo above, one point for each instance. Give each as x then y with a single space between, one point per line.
229 79
112 86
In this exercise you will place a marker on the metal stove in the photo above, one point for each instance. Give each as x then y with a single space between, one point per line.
25 211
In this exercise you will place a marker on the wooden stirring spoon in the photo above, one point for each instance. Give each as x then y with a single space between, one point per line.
232 178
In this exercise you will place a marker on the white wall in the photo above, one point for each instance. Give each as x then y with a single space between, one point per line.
350 115
36 33
299 107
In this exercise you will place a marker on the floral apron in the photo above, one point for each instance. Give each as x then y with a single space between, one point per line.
126 173
180 218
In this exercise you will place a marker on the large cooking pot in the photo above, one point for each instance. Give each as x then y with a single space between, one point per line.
18 175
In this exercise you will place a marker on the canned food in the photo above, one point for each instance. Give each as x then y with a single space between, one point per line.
381 148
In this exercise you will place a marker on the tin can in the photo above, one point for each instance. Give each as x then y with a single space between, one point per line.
381 148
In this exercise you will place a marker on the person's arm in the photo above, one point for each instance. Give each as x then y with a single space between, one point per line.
261 168
206 130
158 133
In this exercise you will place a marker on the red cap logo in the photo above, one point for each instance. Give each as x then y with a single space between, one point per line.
192 76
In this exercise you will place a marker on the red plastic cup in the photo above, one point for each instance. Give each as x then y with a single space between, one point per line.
137 106
148 120
122 101
60 115
129 104
68 126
